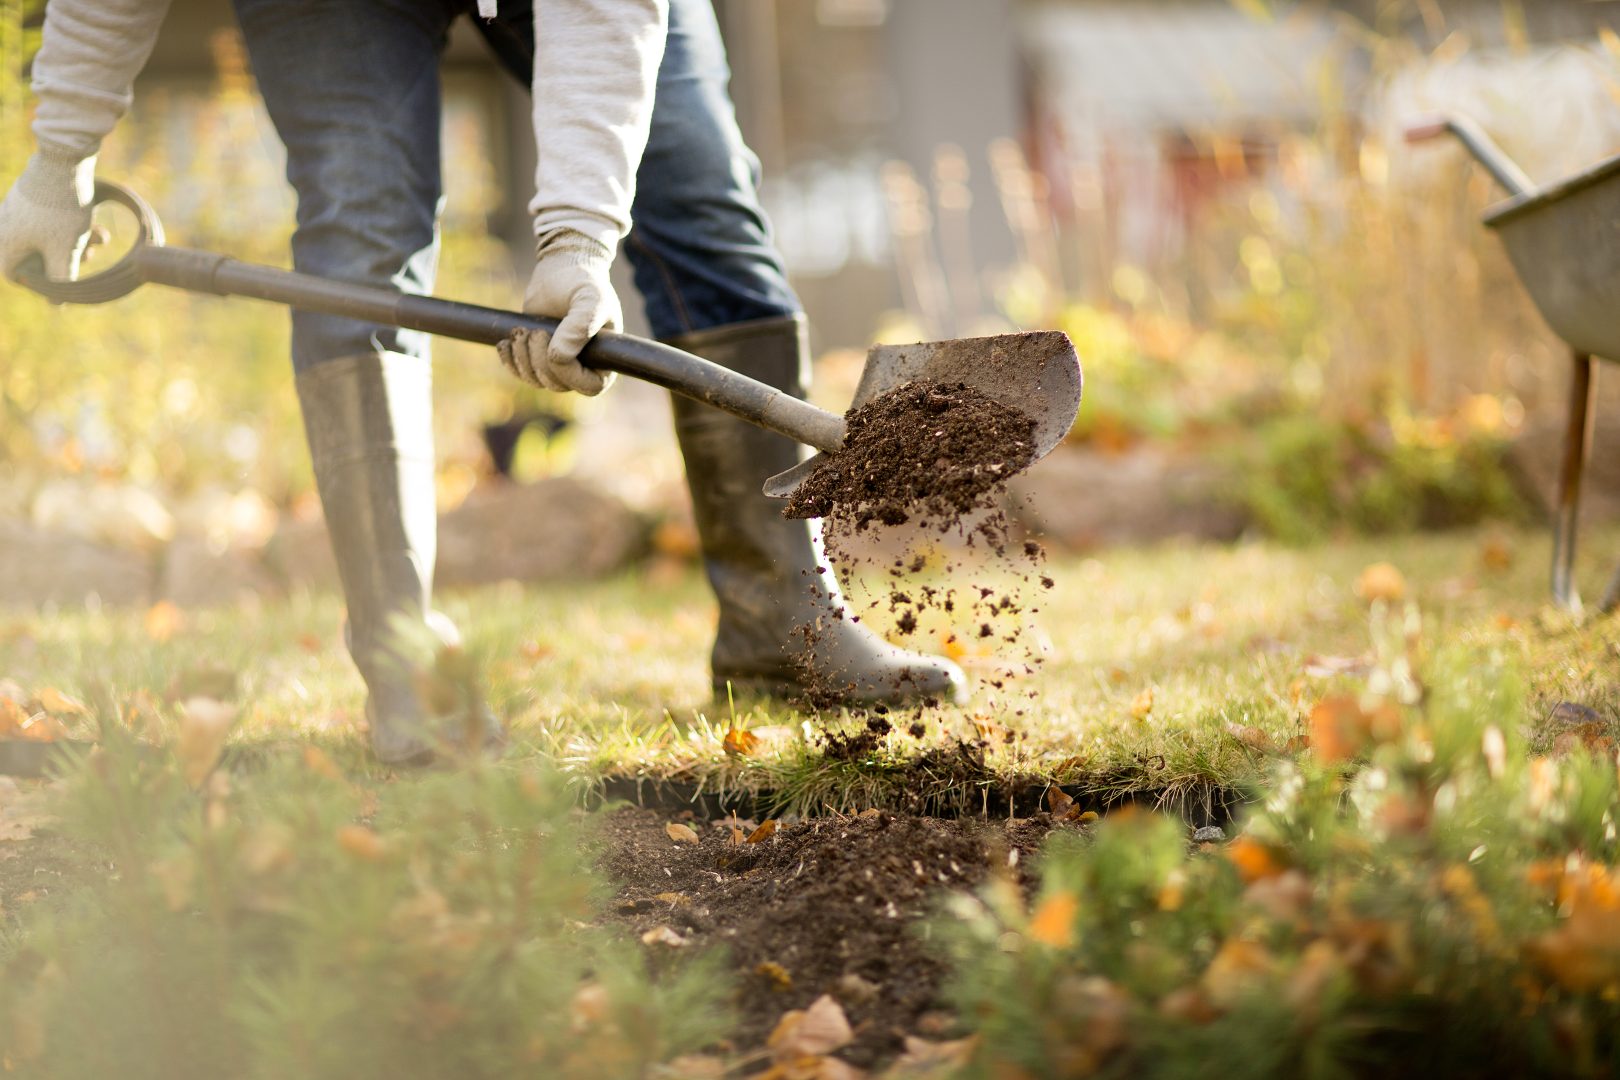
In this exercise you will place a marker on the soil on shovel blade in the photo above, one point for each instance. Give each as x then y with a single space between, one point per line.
826 906
926 449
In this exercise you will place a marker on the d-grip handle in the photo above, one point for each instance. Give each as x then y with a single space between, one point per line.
121 278
205 272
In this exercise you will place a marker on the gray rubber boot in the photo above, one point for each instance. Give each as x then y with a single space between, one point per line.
768 572
369 422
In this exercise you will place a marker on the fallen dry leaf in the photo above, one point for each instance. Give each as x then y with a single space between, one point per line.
740 742
663 935
589 1007
764 832
38 727
361 842
317 762
811 1068
53 701
813 1032
1496 555
1254 861
1142 705
1252 737
12 717
1053 921
1381 581
1058 802
204 724
681 834
691 1067
924 1060
1341 728
1239 969
163 621
775 974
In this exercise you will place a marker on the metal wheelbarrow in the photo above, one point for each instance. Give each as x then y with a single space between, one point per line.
1564 241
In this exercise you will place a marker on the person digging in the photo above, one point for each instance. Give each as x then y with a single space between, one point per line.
638 144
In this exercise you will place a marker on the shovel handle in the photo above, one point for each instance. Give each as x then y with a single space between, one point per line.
150 260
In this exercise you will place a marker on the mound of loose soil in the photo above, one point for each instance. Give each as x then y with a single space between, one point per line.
926 449
830 906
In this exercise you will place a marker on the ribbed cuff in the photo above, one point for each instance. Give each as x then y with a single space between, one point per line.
58 180
572 248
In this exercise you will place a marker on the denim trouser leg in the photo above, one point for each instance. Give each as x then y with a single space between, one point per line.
700 246
353 89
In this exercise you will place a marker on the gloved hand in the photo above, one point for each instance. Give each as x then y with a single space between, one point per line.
570 283
48 211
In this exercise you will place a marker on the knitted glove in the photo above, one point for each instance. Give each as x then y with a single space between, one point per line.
570 283
47 212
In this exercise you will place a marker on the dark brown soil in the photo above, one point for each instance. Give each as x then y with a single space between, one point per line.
925 449
830 906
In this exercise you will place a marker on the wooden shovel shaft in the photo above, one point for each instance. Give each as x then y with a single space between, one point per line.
662 365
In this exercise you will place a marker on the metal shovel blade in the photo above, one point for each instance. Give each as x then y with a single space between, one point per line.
1037 373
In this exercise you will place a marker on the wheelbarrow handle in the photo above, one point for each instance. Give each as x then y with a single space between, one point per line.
151 261
1484 149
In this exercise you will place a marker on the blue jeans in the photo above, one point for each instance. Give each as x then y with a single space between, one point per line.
353 89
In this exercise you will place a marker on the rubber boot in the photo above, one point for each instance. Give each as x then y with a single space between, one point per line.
768 572
369 422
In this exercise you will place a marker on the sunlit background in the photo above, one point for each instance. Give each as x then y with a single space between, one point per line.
1292 323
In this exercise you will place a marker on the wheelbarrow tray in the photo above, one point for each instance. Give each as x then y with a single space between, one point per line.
1564 241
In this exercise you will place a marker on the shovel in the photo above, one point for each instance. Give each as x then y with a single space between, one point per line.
1036 373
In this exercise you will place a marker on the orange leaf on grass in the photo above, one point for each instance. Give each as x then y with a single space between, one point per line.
1254 861
361 842
1381 581
740 742
52 700
318 762
163 620
1341 728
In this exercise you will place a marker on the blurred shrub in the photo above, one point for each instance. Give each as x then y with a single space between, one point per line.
1305 477
285 922
1415 896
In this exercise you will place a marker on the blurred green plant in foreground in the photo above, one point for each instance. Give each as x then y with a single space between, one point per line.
1417 896
283 921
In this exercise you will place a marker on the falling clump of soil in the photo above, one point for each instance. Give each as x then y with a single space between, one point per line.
925 464
926 449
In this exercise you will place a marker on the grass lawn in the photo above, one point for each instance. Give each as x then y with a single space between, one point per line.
1150 659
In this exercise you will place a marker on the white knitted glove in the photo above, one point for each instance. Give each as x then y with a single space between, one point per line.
48 211
570 283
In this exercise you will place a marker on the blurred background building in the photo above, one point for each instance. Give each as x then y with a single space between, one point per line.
878 123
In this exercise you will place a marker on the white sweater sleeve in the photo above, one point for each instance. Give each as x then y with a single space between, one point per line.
88 59
595 73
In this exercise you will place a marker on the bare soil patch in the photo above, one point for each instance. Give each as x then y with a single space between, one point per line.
824 906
